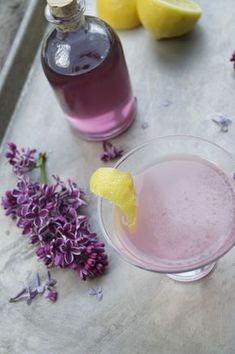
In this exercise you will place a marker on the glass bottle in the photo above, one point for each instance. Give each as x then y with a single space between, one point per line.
83 60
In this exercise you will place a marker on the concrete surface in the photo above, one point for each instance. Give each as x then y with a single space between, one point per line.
142 312
19 58
11 13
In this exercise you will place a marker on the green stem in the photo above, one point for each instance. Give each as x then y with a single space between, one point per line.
42 165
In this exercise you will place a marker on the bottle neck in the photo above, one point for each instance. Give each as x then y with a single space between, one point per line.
70 23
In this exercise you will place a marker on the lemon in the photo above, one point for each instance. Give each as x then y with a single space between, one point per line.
118 187
168 18
120 14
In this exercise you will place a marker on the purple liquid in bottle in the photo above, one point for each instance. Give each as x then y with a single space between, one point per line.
87 70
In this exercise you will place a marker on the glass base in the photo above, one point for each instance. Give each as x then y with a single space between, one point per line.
193 275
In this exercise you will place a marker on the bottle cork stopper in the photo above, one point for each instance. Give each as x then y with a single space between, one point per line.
63 8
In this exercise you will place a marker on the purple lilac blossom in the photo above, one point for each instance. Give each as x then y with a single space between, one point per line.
22 160
49 216
110 152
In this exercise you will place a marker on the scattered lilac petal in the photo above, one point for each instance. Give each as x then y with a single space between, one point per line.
167 103
110 152
40 288
19 296
232 59
38 279
29 293
97 292
51 295
223 122
51 282
144 125
49 275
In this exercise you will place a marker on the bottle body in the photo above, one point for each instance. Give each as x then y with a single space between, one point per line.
87 70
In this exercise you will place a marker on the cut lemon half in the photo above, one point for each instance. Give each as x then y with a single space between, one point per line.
118 187
168 18
120 14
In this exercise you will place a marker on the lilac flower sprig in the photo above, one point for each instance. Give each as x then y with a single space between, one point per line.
110 152
49 216
47 288
232 59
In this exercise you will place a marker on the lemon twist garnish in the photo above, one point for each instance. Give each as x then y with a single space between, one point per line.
118 187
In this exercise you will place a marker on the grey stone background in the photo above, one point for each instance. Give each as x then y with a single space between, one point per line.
11 13
142 312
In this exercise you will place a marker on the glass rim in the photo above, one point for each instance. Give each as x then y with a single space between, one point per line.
106 233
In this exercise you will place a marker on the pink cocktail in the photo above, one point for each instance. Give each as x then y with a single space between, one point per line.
186 207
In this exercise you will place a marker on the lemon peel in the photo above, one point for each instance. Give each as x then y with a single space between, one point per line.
118 187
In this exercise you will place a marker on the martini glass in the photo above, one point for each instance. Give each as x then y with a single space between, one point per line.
193 256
